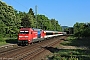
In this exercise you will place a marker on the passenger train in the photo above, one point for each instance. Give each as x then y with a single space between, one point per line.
30 35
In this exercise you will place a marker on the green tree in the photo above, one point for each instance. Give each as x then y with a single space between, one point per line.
11 20
81 29
25 21
8 17
31 11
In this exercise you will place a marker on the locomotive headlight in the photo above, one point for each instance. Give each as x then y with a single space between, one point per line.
20 36
26 36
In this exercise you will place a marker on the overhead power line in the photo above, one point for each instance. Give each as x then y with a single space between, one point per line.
44 12
20 4
27 8
35 8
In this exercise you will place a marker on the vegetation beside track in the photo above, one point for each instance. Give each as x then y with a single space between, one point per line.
4 41
81 52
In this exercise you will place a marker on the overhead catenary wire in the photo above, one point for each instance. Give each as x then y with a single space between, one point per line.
20 4
27 7
43 11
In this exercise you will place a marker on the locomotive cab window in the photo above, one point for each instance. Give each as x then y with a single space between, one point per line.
24 32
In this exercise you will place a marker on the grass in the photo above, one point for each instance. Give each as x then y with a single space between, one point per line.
73 41
68 41
73 54
4 41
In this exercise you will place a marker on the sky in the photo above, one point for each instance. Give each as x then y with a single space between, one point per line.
66 12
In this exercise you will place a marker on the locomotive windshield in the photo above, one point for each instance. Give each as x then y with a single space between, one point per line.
24 32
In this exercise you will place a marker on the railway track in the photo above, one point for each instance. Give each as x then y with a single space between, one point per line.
29 52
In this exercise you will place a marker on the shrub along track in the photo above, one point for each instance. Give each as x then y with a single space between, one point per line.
32 51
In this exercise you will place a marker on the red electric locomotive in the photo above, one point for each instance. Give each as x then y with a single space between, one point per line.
28 35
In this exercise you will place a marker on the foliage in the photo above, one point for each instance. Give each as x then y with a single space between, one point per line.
82 29
74 41
11 20
71 54
79 49
8 20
